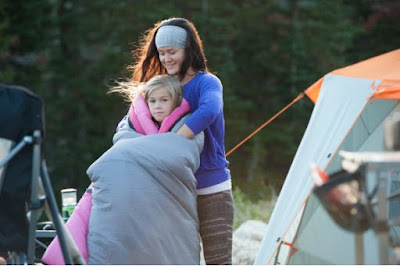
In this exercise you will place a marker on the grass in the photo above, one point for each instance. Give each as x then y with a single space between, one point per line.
250 209
255 199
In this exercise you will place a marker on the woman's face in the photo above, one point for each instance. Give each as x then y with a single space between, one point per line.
172 58
160 103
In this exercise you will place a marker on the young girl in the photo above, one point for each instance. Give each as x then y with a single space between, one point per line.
162 94
155 109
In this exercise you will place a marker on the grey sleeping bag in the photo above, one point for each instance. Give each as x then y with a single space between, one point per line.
144 200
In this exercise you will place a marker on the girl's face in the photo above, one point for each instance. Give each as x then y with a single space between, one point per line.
172 58
160 103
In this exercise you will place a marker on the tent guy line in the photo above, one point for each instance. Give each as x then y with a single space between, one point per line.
300 96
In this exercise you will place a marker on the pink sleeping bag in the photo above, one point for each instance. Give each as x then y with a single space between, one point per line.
77 225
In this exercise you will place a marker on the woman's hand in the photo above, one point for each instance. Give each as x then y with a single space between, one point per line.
185 131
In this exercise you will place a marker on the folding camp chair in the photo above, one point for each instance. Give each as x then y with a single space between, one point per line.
23 174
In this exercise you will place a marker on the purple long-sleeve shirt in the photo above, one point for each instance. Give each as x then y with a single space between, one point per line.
204 94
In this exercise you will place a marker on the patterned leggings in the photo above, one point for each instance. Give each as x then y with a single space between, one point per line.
216 220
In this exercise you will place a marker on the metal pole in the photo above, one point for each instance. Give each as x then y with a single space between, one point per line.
359 242
34 199
54 212
381 226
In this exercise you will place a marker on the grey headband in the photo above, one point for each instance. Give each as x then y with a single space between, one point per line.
170 35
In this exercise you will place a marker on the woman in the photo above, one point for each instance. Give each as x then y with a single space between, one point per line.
174 47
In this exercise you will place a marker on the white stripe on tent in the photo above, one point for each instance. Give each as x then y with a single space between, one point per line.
340 102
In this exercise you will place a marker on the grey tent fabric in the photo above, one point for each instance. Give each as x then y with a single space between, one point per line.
144 201
335 112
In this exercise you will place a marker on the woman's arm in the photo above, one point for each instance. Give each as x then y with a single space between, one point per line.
209 107
185 131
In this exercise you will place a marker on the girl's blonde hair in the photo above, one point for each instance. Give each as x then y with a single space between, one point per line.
164 81
130 89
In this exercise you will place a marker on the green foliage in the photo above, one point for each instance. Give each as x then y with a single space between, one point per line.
380 28
279 50
245 209
265 52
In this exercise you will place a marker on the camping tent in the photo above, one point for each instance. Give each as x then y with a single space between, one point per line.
351 105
